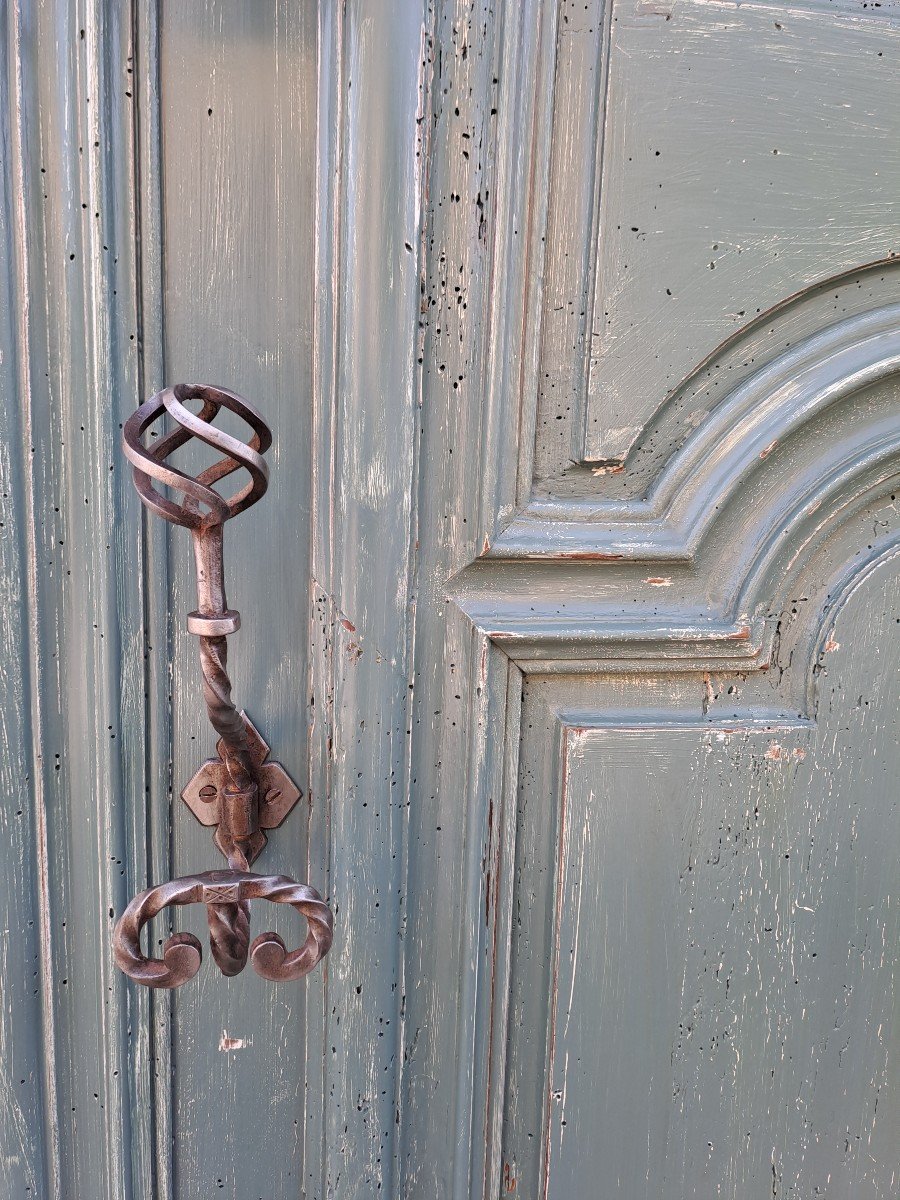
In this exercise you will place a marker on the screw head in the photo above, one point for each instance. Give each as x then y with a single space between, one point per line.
277 791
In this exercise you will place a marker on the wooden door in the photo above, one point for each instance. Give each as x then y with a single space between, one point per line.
572 606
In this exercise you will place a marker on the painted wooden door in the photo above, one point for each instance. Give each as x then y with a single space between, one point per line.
572 607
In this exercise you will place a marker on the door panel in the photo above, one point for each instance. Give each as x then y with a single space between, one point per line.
743 146
703 495
709 927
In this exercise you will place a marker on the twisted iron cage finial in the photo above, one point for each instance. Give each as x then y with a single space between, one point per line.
241 793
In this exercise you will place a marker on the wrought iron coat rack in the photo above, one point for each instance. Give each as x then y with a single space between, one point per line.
241 793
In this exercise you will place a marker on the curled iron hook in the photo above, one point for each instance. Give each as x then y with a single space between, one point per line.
181 952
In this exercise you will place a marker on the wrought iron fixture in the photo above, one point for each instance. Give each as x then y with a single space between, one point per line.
241 793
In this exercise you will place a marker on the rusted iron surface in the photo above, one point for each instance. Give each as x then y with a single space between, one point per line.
239 792
204 793
216 889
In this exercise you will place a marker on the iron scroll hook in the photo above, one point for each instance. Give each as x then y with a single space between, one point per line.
241 793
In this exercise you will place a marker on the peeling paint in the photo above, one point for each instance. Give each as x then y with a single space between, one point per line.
228 1044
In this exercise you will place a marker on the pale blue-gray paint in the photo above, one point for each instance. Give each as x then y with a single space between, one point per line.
507 669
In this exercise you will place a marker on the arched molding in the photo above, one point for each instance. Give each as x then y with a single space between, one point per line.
692 572
707 471
755 345
556 631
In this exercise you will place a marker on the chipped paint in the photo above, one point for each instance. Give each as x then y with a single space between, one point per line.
228 1044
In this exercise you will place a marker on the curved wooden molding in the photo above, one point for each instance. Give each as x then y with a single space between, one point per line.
693 575
550 626
793 532
737 437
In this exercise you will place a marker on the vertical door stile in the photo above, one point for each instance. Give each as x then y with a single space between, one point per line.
30 1143
366 412
77 249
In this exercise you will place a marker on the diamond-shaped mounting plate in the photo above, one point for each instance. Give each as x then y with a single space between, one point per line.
277 791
